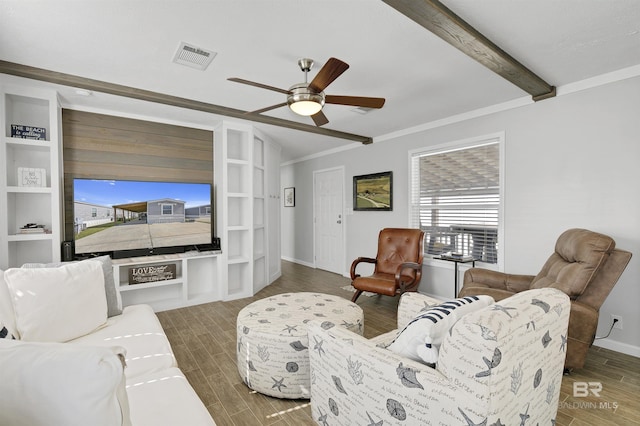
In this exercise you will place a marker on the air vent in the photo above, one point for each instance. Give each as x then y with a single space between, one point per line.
193 56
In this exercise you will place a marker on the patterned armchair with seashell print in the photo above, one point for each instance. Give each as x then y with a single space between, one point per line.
500 364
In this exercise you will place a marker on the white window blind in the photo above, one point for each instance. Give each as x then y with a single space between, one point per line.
455 199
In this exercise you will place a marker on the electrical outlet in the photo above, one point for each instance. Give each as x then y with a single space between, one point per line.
618 320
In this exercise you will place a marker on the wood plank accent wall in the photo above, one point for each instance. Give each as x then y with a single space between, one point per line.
107 147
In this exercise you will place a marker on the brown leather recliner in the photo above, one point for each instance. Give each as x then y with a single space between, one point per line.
398 264
585 265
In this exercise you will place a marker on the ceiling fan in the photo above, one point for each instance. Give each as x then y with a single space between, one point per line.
308 98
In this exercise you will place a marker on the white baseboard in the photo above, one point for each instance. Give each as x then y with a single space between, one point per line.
613 345
275 276
298 261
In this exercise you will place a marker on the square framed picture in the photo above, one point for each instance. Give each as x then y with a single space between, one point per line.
373 192
28 177
290 197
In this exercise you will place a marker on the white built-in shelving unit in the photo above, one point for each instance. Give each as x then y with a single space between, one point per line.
272 206
234 160
247 176
196 280
248 171
29 204
260 275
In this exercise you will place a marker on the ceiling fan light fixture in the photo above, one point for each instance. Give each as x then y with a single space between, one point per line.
303 101
305 108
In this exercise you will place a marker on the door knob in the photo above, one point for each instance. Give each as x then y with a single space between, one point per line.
339 221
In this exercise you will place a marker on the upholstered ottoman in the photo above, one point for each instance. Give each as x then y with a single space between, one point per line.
273 347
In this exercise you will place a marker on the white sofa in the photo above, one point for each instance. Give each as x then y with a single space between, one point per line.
501 364
115 370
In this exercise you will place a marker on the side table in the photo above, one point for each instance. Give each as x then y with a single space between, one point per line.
456 262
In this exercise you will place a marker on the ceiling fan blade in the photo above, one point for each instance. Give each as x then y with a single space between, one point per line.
269 108
319 118
262 86
329 72
360 101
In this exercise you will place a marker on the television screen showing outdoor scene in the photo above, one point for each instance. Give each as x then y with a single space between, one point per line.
119 215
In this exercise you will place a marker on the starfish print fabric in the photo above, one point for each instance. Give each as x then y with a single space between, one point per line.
272 343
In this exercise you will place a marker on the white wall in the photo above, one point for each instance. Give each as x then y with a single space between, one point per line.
571 161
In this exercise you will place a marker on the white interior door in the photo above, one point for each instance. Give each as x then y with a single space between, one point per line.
328 198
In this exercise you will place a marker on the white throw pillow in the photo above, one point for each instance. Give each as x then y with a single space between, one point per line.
47 384
114 302
420 340
7 315
58 304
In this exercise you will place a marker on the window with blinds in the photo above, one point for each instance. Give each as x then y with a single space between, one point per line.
455 199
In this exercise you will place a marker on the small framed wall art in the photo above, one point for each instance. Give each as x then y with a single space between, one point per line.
290 197
147 274
28 132
28 177
373 192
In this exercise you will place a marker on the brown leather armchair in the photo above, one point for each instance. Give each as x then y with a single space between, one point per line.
398 264
585 265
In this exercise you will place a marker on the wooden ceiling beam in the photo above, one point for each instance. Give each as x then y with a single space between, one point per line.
441 21
161 98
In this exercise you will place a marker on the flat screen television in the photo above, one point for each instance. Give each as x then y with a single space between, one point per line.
126 218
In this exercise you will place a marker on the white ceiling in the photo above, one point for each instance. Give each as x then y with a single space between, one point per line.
132 43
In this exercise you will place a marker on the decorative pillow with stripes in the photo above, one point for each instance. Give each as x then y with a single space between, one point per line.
422 337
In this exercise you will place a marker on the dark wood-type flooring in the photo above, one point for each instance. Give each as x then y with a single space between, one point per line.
203 338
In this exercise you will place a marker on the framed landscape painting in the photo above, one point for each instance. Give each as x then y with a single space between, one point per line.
373 192
289 197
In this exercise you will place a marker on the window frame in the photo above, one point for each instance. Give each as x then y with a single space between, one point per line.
499 138
162 206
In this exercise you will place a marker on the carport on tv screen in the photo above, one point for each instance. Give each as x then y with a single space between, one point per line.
135 218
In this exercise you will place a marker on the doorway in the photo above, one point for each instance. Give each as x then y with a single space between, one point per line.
328 219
